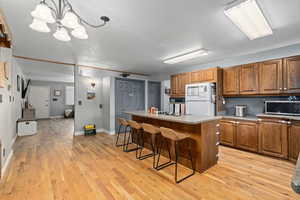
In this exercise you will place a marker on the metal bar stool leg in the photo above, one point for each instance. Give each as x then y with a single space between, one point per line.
142 157
176 164
166 164
131 133
118 135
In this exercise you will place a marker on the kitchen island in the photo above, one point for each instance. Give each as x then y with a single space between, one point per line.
202 130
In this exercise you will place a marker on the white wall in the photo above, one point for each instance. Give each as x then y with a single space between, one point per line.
233 61
10 111
164 97
107 93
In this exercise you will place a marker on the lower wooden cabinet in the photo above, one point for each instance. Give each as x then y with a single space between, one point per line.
273 138
294 141
240 134
247 136
228 132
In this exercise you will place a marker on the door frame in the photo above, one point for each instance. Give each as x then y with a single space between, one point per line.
48 88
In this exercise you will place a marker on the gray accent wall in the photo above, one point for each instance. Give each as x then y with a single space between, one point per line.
154 94
57 104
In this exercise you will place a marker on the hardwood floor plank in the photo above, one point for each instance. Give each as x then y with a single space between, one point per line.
54 165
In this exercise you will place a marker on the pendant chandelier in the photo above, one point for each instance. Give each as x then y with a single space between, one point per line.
65 18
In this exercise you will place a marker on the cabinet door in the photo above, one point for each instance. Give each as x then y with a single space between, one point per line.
292 75
273 138
294 142
249 79
231 81
270 76
208 75
228 132
174 85
195 77
247 136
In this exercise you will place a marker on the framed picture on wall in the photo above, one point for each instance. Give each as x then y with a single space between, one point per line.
57 93
18 83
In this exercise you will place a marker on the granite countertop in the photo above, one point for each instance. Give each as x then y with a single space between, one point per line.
280 116
185 119
296 178
246 118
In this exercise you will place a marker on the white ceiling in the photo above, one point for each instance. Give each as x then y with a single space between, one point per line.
142 32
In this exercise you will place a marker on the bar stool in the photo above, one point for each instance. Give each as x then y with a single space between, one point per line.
123 123
136 129
153 132
175 138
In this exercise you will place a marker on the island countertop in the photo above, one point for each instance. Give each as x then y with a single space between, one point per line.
185 119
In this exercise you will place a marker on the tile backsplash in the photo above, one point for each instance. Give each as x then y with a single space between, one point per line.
255 105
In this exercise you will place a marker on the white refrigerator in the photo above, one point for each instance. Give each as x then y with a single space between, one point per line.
200 99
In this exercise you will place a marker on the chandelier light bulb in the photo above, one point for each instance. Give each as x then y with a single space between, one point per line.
80 33
43 12
62 34
70 20
39 26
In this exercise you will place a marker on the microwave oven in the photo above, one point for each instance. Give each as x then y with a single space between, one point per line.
282 107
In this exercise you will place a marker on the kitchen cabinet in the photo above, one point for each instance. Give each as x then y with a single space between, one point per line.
248 79
208 75
231 81
247 136
273 137
178 83
228 132
270 76
294 141
240 134
291 75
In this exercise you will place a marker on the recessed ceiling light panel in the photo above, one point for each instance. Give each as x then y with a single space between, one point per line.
186 56
249 18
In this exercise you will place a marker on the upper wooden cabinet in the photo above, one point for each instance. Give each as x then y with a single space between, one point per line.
270 76
291 75
248 79
294 141
208 75
273 137
178 83
231 81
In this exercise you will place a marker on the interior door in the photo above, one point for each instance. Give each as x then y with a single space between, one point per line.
130 96
39 97
154 94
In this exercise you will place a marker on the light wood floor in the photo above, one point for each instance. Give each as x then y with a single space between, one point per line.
53 165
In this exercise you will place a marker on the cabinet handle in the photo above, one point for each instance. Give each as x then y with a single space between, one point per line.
280 88
217 155
218 143
218 133
283 122
218 125
285 88
237 122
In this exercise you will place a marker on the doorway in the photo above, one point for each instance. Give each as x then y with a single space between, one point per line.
39 97
154 94
130 96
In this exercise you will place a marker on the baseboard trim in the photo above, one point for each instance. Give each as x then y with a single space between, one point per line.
57 117
6 164
101 130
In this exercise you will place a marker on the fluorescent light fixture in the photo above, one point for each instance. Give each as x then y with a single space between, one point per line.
186 56
249 18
